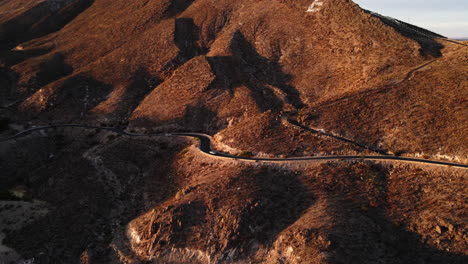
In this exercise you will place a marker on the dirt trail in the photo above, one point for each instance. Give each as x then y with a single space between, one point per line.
408 77
454 41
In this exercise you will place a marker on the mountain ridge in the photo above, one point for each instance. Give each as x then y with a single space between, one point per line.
255 63
265 80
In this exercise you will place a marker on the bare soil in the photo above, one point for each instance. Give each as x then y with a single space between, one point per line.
237 70
124 200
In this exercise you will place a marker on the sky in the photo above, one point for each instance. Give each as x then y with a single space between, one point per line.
446 17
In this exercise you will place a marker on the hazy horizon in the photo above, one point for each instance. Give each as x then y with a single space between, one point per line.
446 17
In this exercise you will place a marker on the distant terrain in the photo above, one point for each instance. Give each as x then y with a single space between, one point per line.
265 80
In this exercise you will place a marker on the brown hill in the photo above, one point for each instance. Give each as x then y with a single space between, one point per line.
273 78
423 113
158 200
212 65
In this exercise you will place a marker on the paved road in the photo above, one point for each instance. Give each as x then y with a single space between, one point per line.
205 146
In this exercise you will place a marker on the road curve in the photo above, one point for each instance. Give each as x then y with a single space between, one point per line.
206 147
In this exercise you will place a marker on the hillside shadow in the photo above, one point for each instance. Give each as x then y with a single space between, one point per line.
38 74
364 232
71 98
60 17
86 206
80 93
246 67
186 37
177 7
196 118
51 70
141 84
277 202
424 37
8 83
10 57
39 21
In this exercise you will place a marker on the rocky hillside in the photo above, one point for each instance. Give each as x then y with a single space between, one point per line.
112 199
213 66
276 78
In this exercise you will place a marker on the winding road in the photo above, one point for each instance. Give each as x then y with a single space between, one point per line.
206 147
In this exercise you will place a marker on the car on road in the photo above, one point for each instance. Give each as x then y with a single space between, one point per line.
212 152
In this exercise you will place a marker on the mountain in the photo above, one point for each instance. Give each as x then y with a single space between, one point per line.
278 78
213 66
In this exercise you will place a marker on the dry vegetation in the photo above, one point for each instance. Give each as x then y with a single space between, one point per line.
426 113
122 200
215 66
237 70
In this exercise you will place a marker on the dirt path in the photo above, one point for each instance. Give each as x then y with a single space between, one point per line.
453 41
408 77
332 135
